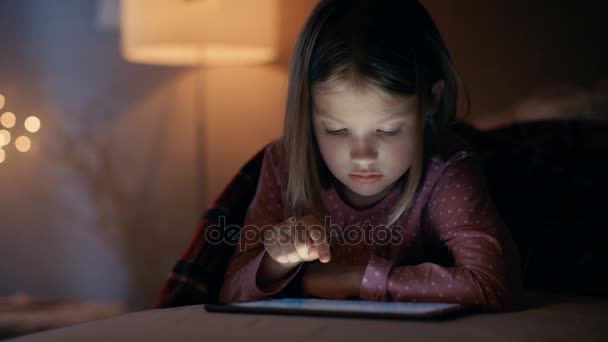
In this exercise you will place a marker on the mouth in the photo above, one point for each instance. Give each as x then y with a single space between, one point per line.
365 177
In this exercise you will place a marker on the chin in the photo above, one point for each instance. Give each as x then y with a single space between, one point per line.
367 190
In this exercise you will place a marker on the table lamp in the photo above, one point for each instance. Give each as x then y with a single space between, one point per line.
199 33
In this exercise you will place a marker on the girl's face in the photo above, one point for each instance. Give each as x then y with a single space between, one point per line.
364 131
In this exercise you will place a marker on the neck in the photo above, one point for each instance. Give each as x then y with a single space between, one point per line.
360 202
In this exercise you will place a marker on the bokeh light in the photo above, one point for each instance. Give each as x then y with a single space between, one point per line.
2 156
32 124
2 101
6 137
8 120
23 144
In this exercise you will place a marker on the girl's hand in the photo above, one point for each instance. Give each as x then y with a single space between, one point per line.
297 240
332 281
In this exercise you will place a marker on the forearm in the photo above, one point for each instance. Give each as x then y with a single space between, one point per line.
240 282
429 282
475 279
332 281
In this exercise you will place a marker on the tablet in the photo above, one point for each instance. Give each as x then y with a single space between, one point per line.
345 308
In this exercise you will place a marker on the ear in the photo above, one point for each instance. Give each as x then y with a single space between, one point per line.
437 90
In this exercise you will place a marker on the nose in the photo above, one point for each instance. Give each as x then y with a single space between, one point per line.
363 154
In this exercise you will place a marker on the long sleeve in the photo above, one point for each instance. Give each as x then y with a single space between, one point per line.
265 210
460 217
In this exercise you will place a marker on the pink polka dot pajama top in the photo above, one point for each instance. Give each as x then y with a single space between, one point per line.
450 246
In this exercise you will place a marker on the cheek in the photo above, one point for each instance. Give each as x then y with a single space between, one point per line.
400 155
331 149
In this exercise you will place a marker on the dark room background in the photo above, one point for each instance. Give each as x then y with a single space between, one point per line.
106 199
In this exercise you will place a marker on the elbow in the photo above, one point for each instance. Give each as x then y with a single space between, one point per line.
231 297
233 294
224 298
228 294
501 297
505 303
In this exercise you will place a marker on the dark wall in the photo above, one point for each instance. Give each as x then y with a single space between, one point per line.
507 49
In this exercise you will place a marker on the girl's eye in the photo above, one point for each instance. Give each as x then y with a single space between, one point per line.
393 132
335 131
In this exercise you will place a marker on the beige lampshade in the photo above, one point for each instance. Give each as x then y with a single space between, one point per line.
199 32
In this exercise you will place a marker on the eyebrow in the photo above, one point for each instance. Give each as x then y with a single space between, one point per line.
391 117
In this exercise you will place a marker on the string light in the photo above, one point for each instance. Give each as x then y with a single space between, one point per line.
6 137
23 144
32 124
8 120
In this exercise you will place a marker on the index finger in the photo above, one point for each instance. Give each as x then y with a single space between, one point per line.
319 239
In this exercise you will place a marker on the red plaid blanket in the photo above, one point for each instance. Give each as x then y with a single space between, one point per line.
198 275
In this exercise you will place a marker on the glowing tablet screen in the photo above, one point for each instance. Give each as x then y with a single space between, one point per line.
341 307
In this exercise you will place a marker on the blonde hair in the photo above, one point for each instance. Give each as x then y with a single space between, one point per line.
394 45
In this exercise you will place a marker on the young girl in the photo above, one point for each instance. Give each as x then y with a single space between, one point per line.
368 194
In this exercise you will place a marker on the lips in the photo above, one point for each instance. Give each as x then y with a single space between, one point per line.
365 174
365 177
